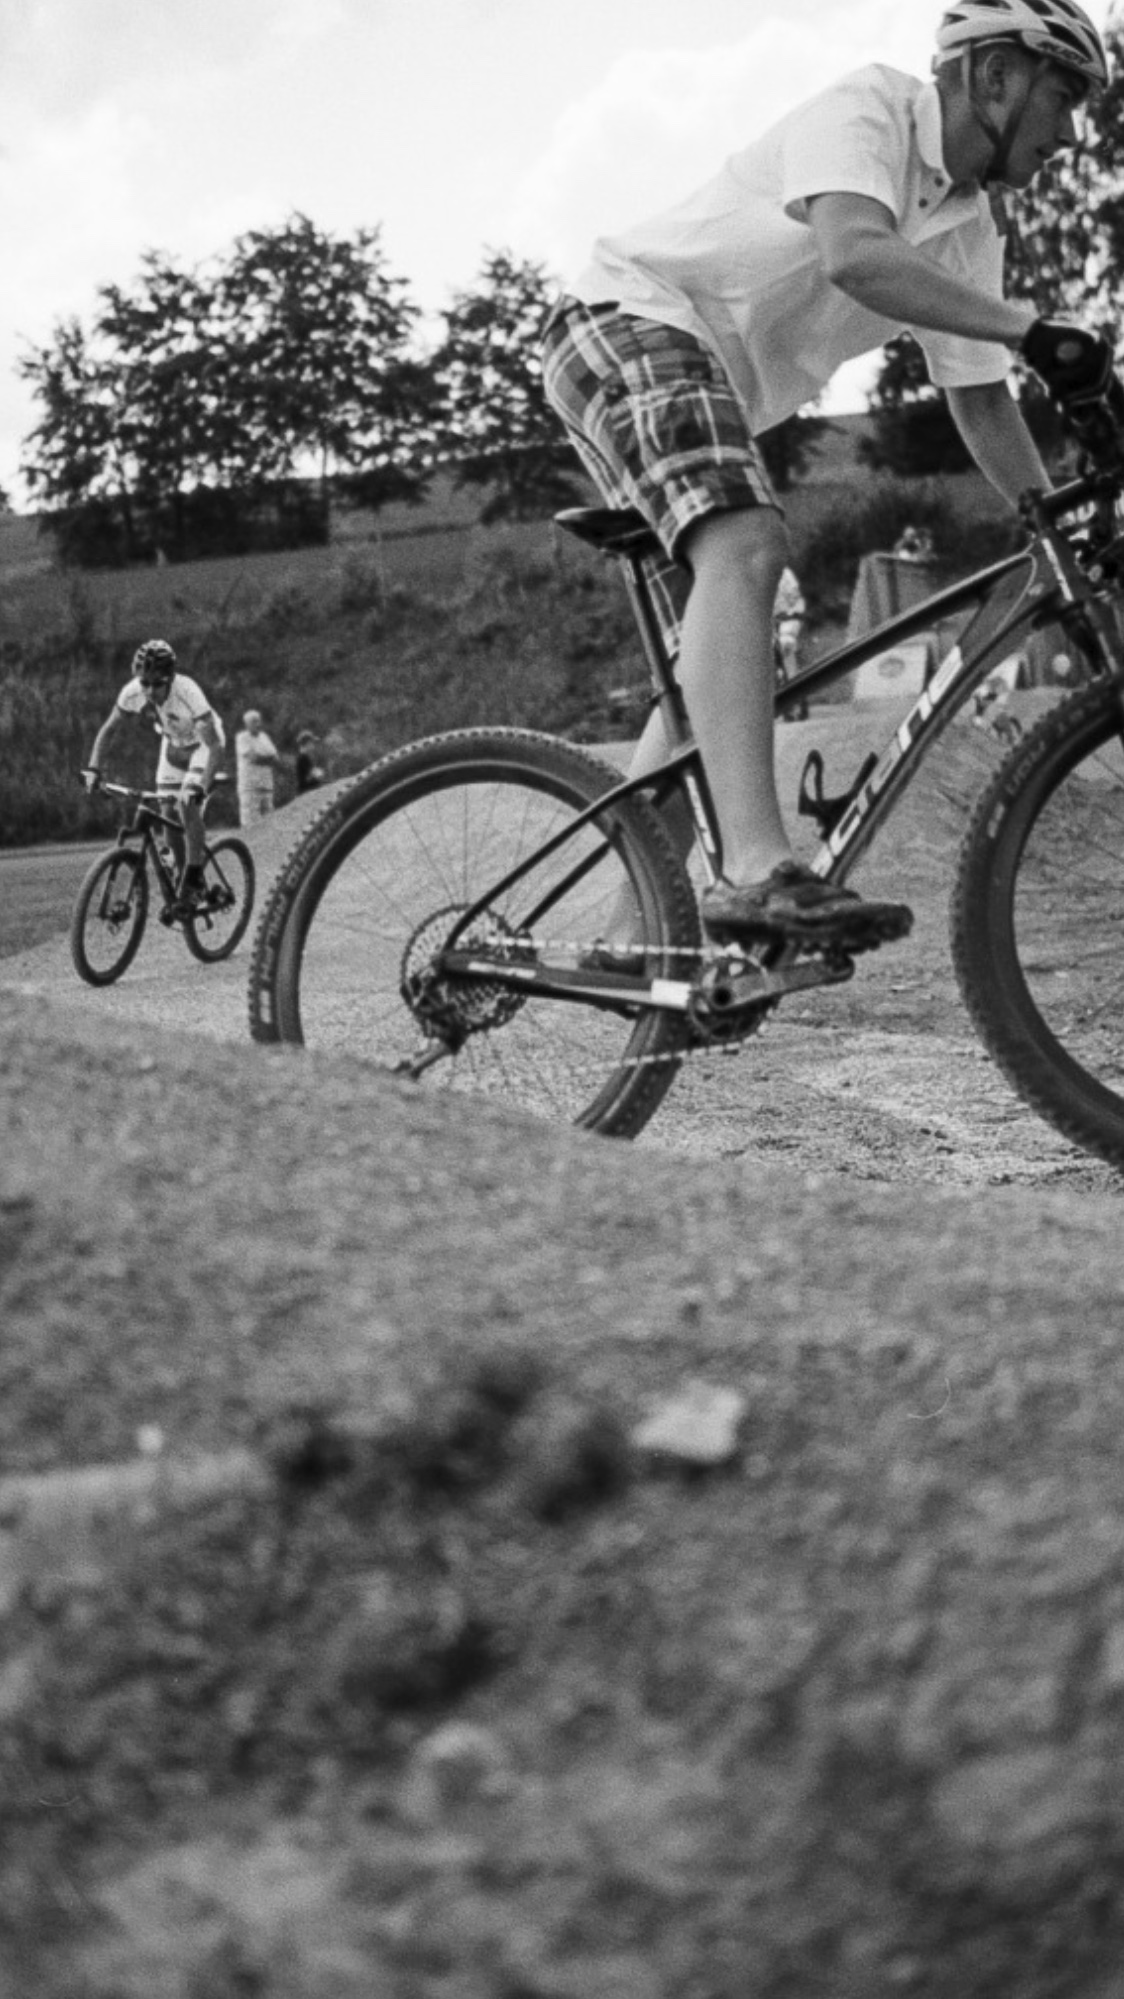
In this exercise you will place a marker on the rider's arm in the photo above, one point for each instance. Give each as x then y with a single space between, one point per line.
101 741
992 426
865 256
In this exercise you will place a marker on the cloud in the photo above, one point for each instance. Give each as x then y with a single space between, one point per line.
659 123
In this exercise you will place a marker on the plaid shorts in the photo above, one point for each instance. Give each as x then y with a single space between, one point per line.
655 421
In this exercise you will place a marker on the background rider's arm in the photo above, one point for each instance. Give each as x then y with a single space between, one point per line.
992 426
101 741
864 255
209 737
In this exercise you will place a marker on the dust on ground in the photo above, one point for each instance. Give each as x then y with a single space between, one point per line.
843 1716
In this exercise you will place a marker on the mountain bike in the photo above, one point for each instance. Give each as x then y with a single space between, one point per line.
443 915
111 911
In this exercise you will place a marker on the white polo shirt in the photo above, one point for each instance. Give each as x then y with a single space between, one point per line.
736 264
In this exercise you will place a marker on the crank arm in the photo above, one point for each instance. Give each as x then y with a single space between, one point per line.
749 988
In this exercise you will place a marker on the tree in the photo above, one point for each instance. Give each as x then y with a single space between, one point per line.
318 363
914 434
196 399
789 446
496 422
71 462
172 421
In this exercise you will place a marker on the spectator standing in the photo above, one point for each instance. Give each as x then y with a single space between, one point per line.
309 772
257 757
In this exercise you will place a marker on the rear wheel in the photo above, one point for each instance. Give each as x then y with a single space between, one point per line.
348 954
109 917
218 924
1038 919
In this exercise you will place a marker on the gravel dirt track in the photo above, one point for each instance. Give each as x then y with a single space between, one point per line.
844 1719
883 1079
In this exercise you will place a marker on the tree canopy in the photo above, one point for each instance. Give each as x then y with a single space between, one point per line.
497 426
195 403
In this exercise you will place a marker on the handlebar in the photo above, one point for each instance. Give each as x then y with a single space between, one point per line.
131 792
123 790
1098 427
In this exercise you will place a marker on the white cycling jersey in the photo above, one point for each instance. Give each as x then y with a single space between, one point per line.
178 716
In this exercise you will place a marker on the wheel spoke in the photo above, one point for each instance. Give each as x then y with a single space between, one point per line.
376 894
109 917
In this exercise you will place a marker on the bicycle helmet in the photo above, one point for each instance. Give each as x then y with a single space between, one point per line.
1057 30
154 660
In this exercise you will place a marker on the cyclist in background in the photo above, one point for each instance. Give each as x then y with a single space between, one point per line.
789 613
191 744
870 209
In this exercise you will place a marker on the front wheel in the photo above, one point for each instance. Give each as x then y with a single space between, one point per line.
109 917
349 952
218 924
1038 919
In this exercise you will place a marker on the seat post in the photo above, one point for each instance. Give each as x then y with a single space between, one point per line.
665 688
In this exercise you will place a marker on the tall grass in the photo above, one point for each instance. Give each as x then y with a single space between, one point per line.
372 645
535 640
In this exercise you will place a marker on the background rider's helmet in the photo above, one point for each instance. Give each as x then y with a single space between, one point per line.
154 660
1059 31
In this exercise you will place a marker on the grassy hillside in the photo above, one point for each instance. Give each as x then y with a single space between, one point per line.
369 646
381 637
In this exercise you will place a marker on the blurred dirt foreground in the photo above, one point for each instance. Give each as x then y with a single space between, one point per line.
417 1633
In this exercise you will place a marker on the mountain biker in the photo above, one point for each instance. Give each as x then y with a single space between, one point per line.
872 208
191 744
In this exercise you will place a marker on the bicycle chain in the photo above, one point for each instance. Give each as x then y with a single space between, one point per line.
698 956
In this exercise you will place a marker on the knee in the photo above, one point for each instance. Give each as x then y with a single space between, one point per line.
746 547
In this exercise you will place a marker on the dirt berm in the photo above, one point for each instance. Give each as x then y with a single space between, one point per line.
841 1715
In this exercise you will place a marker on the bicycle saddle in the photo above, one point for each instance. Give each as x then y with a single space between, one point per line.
613 530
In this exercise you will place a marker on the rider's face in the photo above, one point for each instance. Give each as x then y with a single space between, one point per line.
157 685
1047 125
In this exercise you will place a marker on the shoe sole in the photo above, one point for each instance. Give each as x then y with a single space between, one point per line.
863 929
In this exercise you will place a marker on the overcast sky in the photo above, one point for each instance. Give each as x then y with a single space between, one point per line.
456 125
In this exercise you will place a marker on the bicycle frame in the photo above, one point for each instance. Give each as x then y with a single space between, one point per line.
142 827
1040 585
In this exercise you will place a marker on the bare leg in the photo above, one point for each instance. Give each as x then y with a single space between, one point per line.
191 812
726 671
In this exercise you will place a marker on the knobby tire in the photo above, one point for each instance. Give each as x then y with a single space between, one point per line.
1038 919
109 916
228 870
377 884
